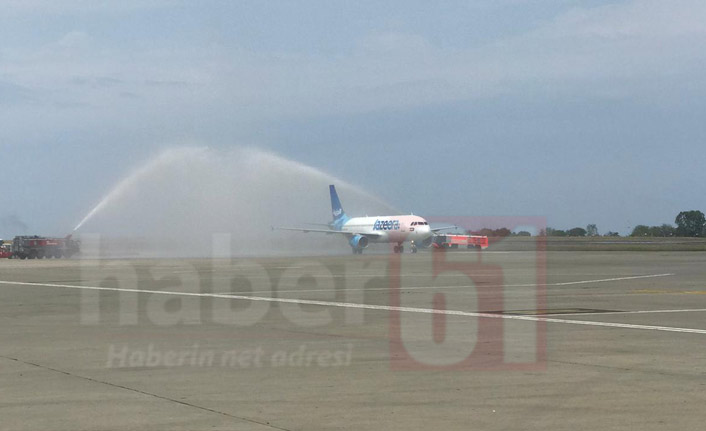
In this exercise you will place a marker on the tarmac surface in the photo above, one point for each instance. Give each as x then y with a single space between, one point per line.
458 340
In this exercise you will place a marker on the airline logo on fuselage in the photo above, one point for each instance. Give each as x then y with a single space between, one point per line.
386 225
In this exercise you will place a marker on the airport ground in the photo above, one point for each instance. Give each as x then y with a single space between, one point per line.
579 340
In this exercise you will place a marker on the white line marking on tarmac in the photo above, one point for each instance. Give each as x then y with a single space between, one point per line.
568 283
683 310
374 307
604 280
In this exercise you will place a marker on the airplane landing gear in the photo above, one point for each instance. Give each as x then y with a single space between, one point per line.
399 248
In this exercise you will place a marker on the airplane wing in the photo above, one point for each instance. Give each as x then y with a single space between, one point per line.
328 231
437 229
318 224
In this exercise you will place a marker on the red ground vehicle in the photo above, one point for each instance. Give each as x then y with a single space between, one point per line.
5 251
443 242
37 247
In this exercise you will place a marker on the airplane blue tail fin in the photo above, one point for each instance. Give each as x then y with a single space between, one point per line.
336 208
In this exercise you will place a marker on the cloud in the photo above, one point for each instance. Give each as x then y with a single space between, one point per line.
74 39
636 49
635 18
11 94
631 49
639 49
77 7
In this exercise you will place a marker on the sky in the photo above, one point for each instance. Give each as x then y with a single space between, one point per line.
577 111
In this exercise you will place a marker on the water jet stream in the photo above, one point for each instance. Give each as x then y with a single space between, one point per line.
173 204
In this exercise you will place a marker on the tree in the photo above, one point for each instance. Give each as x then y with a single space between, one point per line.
659 231
555 232
486 232
577 231
690 223
663 231
592 230
503 231
667 230
640 230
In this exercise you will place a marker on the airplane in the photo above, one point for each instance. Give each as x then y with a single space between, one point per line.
361 231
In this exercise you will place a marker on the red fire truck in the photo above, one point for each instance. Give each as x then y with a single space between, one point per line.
38 247
443 242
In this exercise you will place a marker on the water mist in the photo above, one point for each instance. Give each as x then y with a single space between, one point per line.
174 203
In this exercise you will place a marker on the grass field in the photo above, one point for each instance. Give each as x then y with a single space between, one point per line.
601 244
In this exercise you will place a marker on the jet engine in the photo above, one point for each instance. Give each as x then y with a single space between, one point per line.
358 242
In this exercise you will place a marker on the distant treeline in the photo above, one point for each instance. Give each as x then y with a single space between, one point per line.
503 231
688 224
590 230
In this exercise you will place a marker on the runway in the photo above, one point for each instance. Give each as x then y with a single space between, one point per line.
458 340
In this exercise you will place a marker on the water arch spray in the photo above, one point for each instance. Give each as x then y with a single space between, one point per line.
174 203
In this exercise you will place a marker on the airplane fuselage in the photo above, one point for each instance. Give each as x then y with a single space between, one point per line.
360 231
385 229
